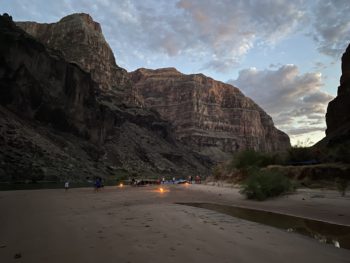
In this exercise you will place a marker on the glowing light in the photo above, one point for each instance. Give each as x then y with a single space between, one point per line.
161 190
121 185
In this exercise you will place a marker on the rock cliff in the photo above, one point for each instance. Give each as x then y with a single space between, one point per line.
56 123
338 111
81 41
212 117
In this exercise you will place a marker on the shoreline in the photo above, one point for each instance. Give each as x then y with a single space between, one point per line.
141 224
318 200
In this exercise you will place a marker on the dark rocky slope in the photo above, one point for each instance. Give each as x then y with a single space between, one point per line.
338 111
56 122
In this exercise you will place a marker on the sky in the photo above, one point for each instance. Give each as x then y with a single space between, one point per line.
283 54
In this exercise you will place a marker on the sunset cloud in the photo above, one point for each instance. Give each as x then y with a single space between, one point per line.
291 98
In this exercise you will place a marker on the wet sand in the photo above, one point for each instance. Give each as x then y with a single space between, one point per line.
140 224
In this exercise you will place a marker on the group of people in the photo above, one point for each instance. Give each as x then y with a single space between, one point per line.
97 184
197 179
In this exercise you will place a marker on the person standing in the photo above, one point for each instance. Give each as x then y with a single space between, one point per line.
66 186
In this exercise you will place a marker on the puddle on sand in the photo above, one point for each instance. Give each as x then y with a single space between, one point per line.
337 235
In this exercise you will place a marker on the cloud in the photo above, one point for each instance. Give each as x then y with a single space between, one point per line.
217 34
227 30
292 99
331 26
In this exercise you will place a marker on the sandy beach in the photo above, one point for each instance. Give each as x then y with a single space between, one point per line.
140 224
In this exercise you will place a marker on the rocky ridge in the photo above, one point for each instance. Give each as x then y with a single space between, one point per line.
212 118
81 41
56 122
69 111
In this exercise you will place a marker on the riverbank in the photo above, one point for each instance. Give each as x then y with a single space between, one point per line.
318 204
142 224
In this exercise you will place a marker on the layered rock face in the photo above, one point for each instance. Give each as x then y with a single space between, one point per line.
212 117
338 111
54 123
81 41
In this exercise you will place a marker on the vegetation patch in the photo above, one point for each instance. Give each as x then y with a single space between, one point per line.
263 184
250 158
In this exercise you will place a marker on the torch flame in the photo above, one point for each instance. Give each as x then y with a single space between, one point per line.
161 190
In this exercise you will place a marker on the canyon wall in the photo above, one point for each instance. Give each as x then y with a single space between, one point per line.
338 111
209 117
212 117
57 124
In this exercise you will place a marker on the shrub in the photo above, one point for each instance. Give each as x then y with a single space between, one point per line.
250 158
262 184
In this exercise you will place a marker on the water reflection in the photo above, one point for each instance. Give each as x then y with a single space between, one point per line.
337 235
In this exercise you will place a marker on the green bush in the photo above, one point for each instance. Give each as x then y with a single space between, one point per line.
261 185
250 158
